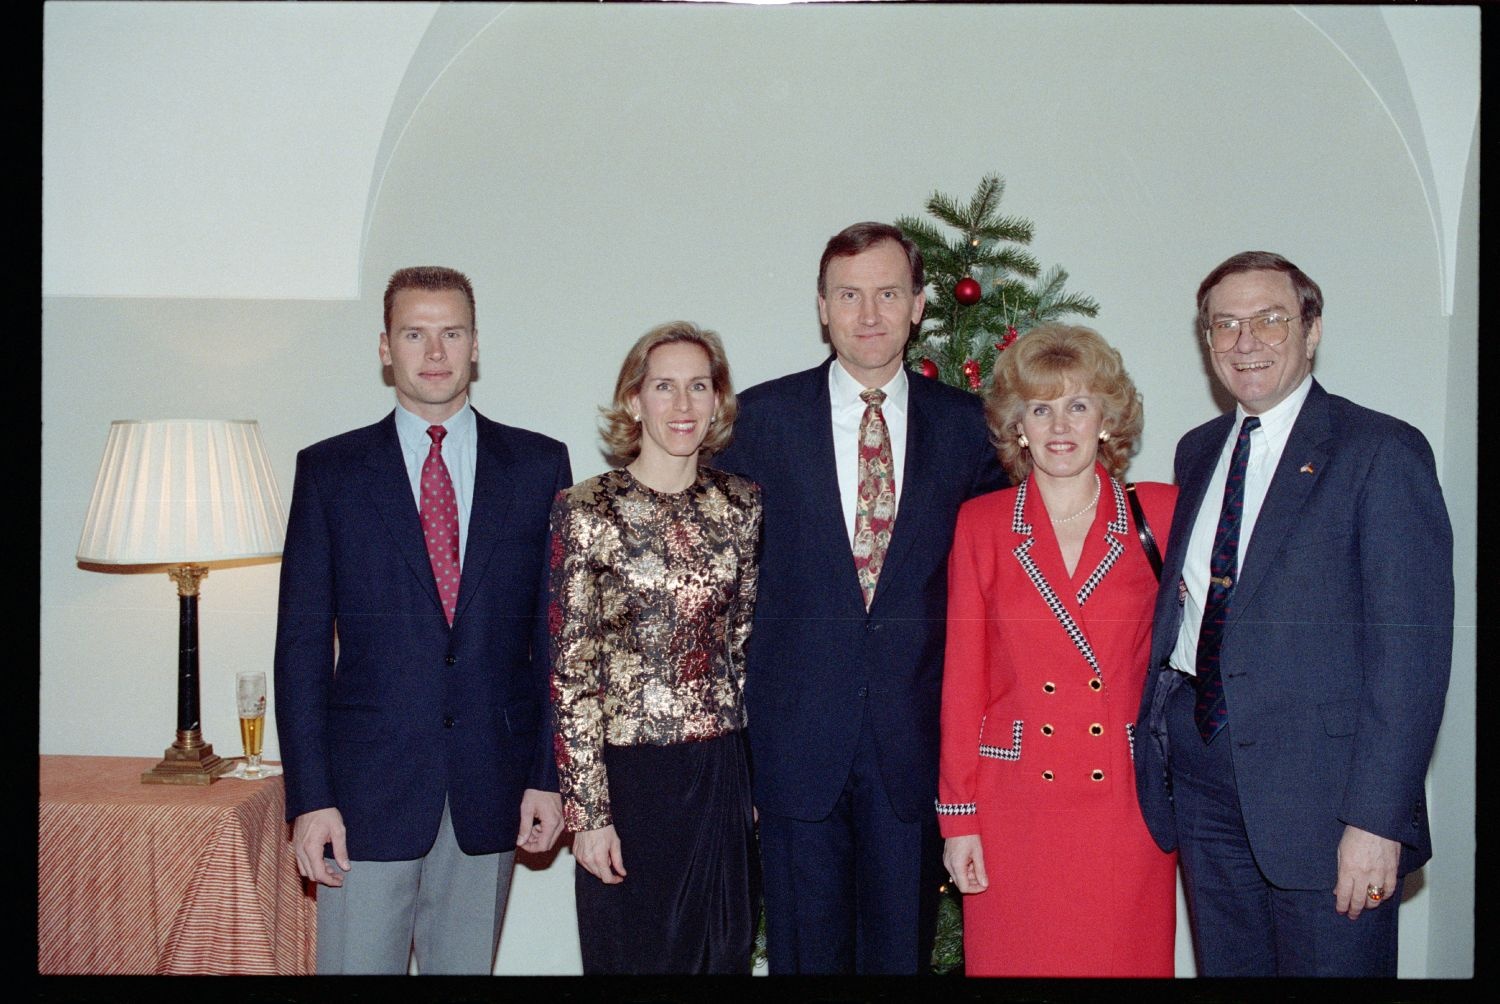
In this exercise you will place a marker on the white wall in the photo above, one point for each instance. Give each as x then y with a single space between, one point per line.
228 186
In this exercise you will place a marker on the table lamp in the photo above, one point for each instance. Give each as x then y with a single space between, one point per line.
184 493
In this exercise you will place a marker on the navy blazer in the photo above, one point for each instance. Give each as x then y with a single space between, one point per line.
410 711
818 664
1336 650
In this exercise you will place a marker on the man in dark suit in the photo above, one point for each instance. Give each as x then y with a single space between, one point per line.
1303 634
861 491
411 674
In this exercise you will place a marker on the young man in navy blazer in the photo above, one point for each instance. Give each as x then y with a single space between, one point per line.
845 660
1302 680
412 708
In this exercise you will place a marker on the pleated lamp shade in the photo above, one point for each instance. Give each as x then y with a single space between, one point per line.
183 491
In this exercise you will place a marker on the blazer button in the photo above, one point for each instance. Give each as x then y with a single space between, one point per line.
864 691
1046 775
1095 684
1049 687
447 721
1097 775
450 659
1047 729
1096 729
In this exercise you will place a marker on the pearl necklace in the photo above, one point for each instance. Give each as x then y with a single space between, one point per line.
1092 502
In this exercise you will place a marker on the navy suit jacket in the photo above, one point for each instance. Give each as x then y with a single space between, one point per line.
1336 650
382 709
818 664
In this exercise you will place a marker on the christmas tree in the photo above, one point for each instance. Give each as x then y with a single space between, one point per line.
985 290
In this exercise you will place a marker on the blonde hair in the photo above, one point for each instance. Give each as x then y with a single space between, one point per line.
1039 366
622 433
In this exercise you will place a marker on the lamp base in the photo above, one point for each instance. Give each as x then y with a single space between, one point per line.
189 760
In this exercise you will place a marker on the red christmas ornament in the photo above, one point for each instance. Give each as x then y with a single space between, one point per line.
929 369
1008 340
971 370
967 292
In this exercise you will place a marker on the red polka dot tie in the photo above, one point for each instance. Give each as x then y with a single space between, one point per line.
440 522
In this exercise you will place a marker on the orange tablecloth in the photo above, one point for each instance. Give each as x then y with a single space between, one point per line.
160 878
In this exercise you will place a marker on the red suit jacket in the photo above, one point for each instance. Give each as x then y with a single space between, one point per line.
1041 685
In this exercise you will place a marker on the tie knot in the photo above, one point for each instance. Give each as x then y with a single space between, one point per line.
874 397
437 432
1251 423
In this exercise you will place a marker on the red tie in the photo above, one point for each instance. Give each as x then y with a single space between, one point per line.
875 501
440 522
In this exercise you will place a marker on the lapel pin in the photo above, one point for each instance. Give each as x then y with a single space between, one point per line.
1307 468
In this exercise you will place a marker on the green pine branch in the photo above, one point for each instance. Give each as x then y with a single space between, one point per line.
962 340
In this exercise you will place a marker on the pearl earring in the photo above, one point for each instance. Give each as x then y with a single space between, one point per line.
1103 435
1025 443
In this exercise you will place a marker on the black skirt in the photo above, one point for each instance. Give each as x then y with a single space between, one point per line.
688 902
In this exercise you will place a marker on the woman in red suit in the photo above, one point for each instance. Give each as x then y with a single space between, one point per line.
1050 595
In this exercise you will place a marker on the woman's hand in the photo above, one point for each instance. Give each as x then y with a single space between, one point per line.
964 859
598 851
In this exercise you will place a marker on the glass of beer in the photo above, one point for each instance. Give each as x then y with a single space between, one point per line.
250 696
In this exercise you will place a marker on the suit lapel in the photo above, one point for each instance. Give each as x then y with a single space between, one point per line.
494 491
1195 470
1297 473
824 505
921 451
1102 548
1040 558
389 488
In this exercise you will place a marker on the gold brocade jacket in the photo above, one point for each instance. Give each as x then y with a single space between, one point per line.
652 596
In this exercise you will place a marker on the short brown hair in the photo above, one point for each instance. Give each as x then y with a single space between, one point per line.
1309 296
860 237
622 433
433 277
1039 366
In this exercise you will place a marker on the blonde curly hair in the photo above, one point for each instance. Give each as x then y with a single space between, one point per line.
1040 366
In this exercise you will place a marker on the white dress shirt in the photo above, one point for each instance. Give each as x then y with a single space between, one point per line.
1267 443
460 452
848 410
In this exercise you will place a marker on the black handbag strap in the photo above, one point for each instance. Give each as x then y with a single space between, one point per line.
1143 530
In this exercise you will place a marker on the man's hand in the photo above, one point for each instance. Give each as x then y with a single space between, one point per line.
964 859
598 851
1365 860
310 831
541 820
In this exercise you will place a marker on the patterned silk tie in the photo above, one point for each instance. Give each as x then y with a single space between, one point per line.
440 522
875 504
1210 712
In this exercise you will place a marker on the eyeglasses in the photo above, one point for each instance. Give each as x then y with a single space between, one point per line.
1270 328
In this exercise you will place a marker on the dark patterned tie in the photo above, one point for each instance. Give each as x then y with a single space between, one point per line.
439 511
1210 712
875 501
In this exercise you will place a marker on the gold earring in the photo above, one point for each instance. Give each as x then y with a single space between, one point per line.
1025 443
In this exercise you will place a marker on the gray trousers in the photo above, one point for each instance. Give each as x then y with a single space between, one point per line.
447 906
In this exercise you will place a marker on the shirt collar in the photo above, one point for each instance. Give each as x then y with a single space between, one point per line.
1277 422
844 390
411 428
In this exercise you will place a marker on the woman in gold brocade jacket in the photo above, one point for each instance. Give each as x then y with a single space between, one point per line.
653 587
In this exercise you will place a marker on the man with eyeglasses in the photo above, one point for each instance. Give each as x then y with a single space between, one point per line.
1302 638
